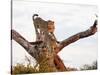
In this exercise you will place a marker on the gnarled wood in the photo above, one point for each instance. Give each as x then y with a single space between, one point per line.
38 53
24 43
19 39
92 30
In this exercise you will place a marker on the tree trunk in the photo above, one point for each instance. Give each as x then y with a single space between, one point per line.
44 58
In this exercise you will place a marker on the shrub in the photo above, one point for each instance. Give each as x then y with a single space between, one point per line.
23 69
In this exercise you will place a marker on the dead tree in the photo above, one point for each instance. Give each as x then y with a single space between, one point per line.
46 47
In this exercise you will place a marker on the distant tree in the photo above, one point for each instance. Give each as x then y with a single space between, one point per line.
93 66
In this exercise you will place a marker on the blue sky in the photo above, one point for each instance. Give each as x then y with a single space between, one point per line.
69 19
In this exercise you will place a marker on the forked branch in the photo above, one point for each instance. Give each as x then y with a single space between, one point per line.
20 40
92 30
24 43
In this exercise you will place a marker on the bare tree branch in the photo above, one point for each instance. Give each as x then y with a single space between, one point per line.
92 30
24 43
19 39
35 43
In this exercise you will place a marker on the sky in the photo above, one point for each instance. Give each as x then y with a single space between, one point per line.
69 19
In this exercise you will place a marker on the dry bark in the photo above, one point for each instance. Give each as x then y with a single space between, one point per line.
91 31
